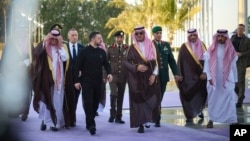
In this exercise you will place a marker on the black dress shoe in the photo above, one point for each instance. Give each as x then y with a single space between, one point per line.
66 127
189 120
147 126
111 119
210 124
237 123
140 129
157 124
119 121
92 130
239 105
43 126
72 125
201 115
24 117
53 129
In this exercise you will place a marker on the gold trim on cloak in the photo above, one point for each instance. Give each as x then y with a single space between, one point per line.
139 52
142 56
193 55
67 63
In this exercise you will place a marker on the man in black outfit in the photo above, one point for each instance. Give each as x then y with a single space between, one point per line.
242 46
88 76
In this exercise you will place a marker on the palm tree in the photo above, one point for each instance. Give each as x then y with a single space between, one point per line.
175 18
143 13
154 12
123 21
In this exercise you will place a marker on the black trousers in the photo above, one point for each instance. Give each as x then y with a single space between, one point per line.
77 93
240 85
91 94
163 89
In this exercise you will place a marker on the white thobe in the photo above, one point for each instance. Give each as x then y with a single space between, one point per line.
57 95
142 48
221 100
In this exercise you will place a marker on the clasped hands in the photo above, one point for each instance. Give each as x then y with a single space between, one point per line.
143 68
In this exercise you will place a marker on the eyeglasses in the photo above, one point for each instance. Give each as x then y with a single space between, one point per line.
139 33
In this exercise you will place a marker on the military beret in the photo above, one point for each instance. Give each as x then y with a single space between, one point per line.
156 28
119 33
55 29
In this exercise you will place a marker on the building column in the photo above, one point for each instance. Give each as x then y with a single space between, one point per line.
242 14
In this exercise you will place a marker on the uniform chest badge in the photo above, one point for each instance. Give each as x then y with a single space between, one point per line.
165 49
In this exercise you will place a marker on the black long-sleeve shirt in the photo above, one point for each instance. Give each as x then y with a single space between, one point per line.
90 61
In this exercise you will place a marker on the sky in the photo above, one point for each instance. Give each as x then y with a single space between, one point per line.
225 14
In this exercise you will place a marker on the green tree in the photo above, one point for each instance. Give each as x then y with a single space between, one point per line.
84 15
63 12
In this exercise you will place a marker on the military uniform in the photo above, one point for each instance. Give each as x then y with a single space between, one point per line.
165 57
117 86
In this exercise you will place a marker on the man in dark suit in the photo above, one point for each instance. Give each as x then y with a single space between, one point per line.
242 46
165 57
73 94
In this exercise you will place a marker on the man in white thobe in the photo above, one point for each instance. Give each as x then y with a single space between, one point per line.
221 70
48 80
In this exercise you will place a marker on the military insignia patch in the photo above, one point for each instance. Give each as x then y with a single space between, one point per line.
165 49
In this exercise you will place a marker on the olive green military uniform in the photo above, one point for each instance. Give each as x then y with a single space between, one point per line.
117 86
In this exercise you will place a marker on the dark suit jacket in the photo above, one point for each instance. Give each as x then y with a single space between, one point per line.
244 49
79 48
